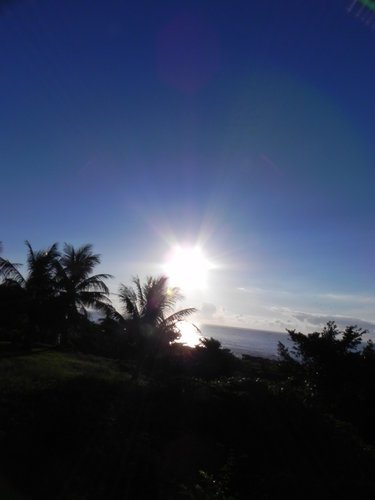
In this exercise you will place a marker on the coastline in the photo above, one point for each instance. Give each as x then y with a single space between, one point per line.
259 343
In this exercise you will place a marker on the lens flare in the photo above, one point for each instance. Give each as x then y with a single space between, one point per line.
190 334
187 268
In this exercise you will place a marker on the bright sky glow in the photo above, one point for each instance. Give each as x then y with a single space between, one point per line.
187 268
190 335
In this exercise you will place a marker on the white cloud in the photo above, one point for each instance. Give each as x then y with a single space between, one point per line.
310 321
349 298
262 291
280 309
207 310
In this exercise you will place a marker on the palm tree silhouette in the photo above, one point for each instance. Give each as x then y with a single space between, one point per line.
39 289
150 319
58 288
149 309
80 290
41 279
41 271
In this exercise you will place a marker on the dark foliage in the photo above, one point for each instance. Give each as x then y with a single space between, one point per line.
209 360
333 369
178 439
53 296
13 311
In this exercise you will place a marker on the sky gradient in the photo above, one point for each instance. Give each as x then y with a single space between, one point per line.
246 127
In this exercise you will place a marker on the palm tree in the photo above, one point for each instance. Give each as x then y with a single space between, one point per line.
41 282
58 288
149 309
79 290
39 288
150 321
41 270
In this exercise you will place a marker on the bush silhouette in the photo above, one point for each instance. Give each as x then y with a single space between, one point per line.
334 369
209 360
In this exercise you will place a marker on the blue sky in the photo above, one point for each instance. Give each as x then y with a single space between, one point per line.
245 126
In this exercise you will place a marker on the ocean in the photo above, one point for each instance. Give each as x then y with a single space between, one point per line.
245 340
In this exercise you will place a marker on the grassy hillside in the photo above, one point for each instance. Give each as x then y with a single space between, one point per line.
78 427
44 368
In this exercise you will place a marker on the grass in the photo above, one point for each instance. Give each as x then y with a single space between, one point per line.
41 393
77 427
42 369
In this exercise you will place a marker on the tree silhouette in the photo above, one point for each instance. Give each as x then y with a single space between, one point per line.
57 288
41 282
149 309
79 290
36 292
327 365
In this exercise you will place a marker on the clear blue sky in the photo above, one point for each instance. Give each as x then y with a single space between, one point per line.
247 126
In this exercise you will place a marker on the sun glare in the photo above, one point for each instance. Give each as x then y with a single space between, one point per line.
187 268
190 335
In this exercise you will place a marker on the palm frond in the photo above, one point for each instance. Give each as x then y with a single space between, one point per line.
149 303
139 292
41 259
179 316
94 283
30 255
128 297
60 271
9 271
93 298
112 313
80 262
157 298
53 251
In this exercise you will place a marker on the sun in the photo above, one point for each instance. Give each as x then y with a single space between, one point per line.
187 268
190 334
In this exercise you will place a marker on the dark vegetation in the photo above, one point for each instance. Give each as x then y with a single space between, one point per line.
115 409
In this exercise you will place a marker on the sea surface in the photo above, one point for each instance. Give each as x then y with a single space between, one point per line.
246 341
